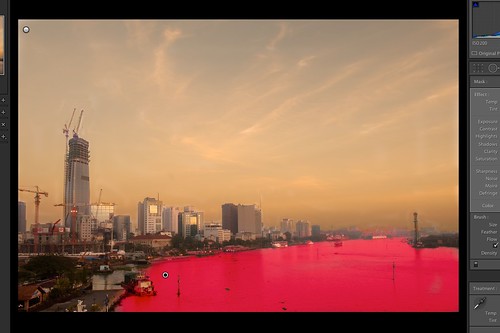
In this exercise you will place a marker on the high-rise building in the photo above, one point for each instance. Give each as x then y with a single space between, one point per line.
21 216
170 219
190 222
230 217
84 227
287 225
303 229
249 219
76 179
315 230
121 227
149 216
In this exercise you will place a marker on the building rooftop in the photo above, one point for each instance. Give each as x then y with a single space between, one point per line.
150 236
25 293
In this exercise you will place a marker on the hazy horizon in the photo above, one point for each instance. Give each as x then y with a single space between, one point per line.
337 122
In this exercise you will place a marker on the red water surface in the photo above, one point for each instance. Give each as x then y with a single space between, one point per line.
357 276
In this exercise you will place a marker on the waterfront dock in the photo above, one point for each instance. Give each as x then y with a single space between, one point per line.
97 297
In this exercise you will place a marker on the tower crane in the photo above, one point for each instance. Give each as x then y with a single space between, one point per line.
77 128
66 134
37 199
73 211
98 205
37 208
66 129
52 234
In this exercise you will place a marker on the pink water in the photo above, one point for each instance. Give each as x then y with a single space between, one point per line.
357 276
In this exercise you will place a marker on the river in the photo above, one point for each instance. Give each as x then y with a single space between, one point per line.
361 275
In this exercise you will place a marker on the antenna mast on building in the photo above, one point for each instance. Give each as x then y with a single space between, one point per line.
261 214
415 221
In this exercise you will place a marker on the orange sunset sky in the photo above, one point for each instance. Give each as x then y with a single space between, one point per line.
341 123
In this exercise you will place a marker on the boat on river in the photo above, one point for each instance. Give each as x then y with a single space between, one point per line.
140 285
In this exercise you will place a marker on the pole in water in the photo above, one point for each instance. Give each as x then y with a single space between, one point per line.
393 270
178 285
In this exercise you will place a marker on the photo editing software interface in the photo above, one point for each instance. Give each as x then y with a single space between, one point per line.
253 165
484 203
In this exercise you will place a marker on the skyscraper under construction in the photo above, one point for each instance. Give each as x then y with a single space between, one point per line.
77 181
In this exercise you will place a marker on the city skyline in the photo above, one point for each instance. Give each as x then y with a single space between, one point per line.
336 122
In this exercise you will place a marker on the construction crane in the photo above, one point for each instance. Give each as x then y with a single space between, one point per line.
52 235
66 134
73 211
98 205
37 208
66 129
77 128
37 199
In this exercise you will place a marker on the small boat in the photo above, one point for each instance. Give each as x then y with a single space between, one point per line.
141 285
278 244
309 242
104 269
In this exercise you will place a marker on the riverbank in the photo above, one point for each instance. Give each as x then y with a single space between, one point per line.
93 300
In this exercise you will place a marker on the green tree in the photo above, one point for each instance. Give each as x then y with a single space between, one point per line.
189 242
45 267
25 275
55 294
62 287
177 242
82 276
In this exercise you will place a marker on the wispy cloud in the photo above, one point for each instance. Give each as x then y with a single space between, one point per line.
171 35
400 115
304 62
283 29
275 114
206 150
162 72
139 32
